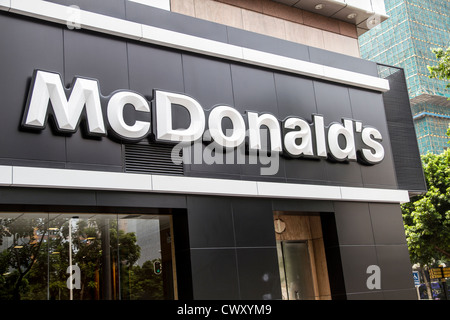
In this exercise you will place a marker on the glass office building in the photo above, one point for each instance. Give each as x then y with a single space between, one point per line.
405 40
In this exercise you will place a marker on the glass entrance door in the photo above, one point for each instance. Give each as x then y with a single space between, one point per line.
295 270
301 256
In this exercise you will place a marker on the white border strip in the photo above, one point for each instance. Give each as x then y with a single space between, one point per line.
161 4
131 30
79 179
14 176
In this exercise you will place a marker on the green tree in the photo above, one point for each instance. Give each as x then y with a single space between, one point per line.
427 217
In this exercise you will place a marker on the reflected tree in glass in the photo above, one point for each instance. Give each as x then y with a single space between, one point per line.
22 258
36 251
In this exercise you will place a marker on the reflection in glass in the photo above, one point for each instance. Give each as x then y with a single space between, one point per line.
85 257
295 270
23 262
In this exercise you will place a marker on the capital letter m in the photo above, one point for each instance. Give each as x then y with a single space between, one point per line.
48 87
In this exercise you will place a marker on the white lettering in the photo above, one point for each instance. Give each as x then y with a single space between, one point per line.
319 129
47 86
375 155
115 115
346 130
164 131
306 146
295 138
216 130
255 122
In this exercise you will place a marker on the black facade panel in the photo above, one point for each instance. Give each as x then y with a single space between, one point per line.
139 200
366 108
395 267
403 136
113 8
371 234
355 260
22 42
208 81
233 240
253 222
295 96
333 255
154 68
88 199
265 43
337 96
254 89
47 197
353 223
302 205
210 222
387 224
104 59
215 274
259 276
342 61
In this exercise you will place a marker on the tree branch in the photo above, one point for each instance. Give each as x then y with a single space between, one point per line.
442 251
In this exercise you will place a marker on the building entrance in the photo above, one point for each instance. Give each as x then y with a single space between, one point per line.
301 256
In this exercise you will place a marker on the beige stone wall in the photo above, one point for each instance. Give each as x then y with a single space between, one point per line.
276 20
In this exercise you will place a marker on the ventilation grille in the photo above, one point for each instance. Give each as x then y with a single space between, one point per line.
151 158
405 150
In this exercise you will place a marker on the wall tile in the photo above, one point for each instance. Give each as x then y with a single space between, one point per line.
348 29
253 222
387 224
214 274
320 22
183 6
341 44
26 46
355 260
282 11
254 5
210 229
304 34
260 23
219 12
395 267
353 223
258 281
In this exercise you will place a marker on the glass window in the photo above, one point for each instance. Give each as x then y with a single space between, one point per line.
86 257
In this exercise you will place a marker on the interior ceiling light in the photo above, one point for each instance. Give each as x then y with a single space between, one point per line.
351 16
319 6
